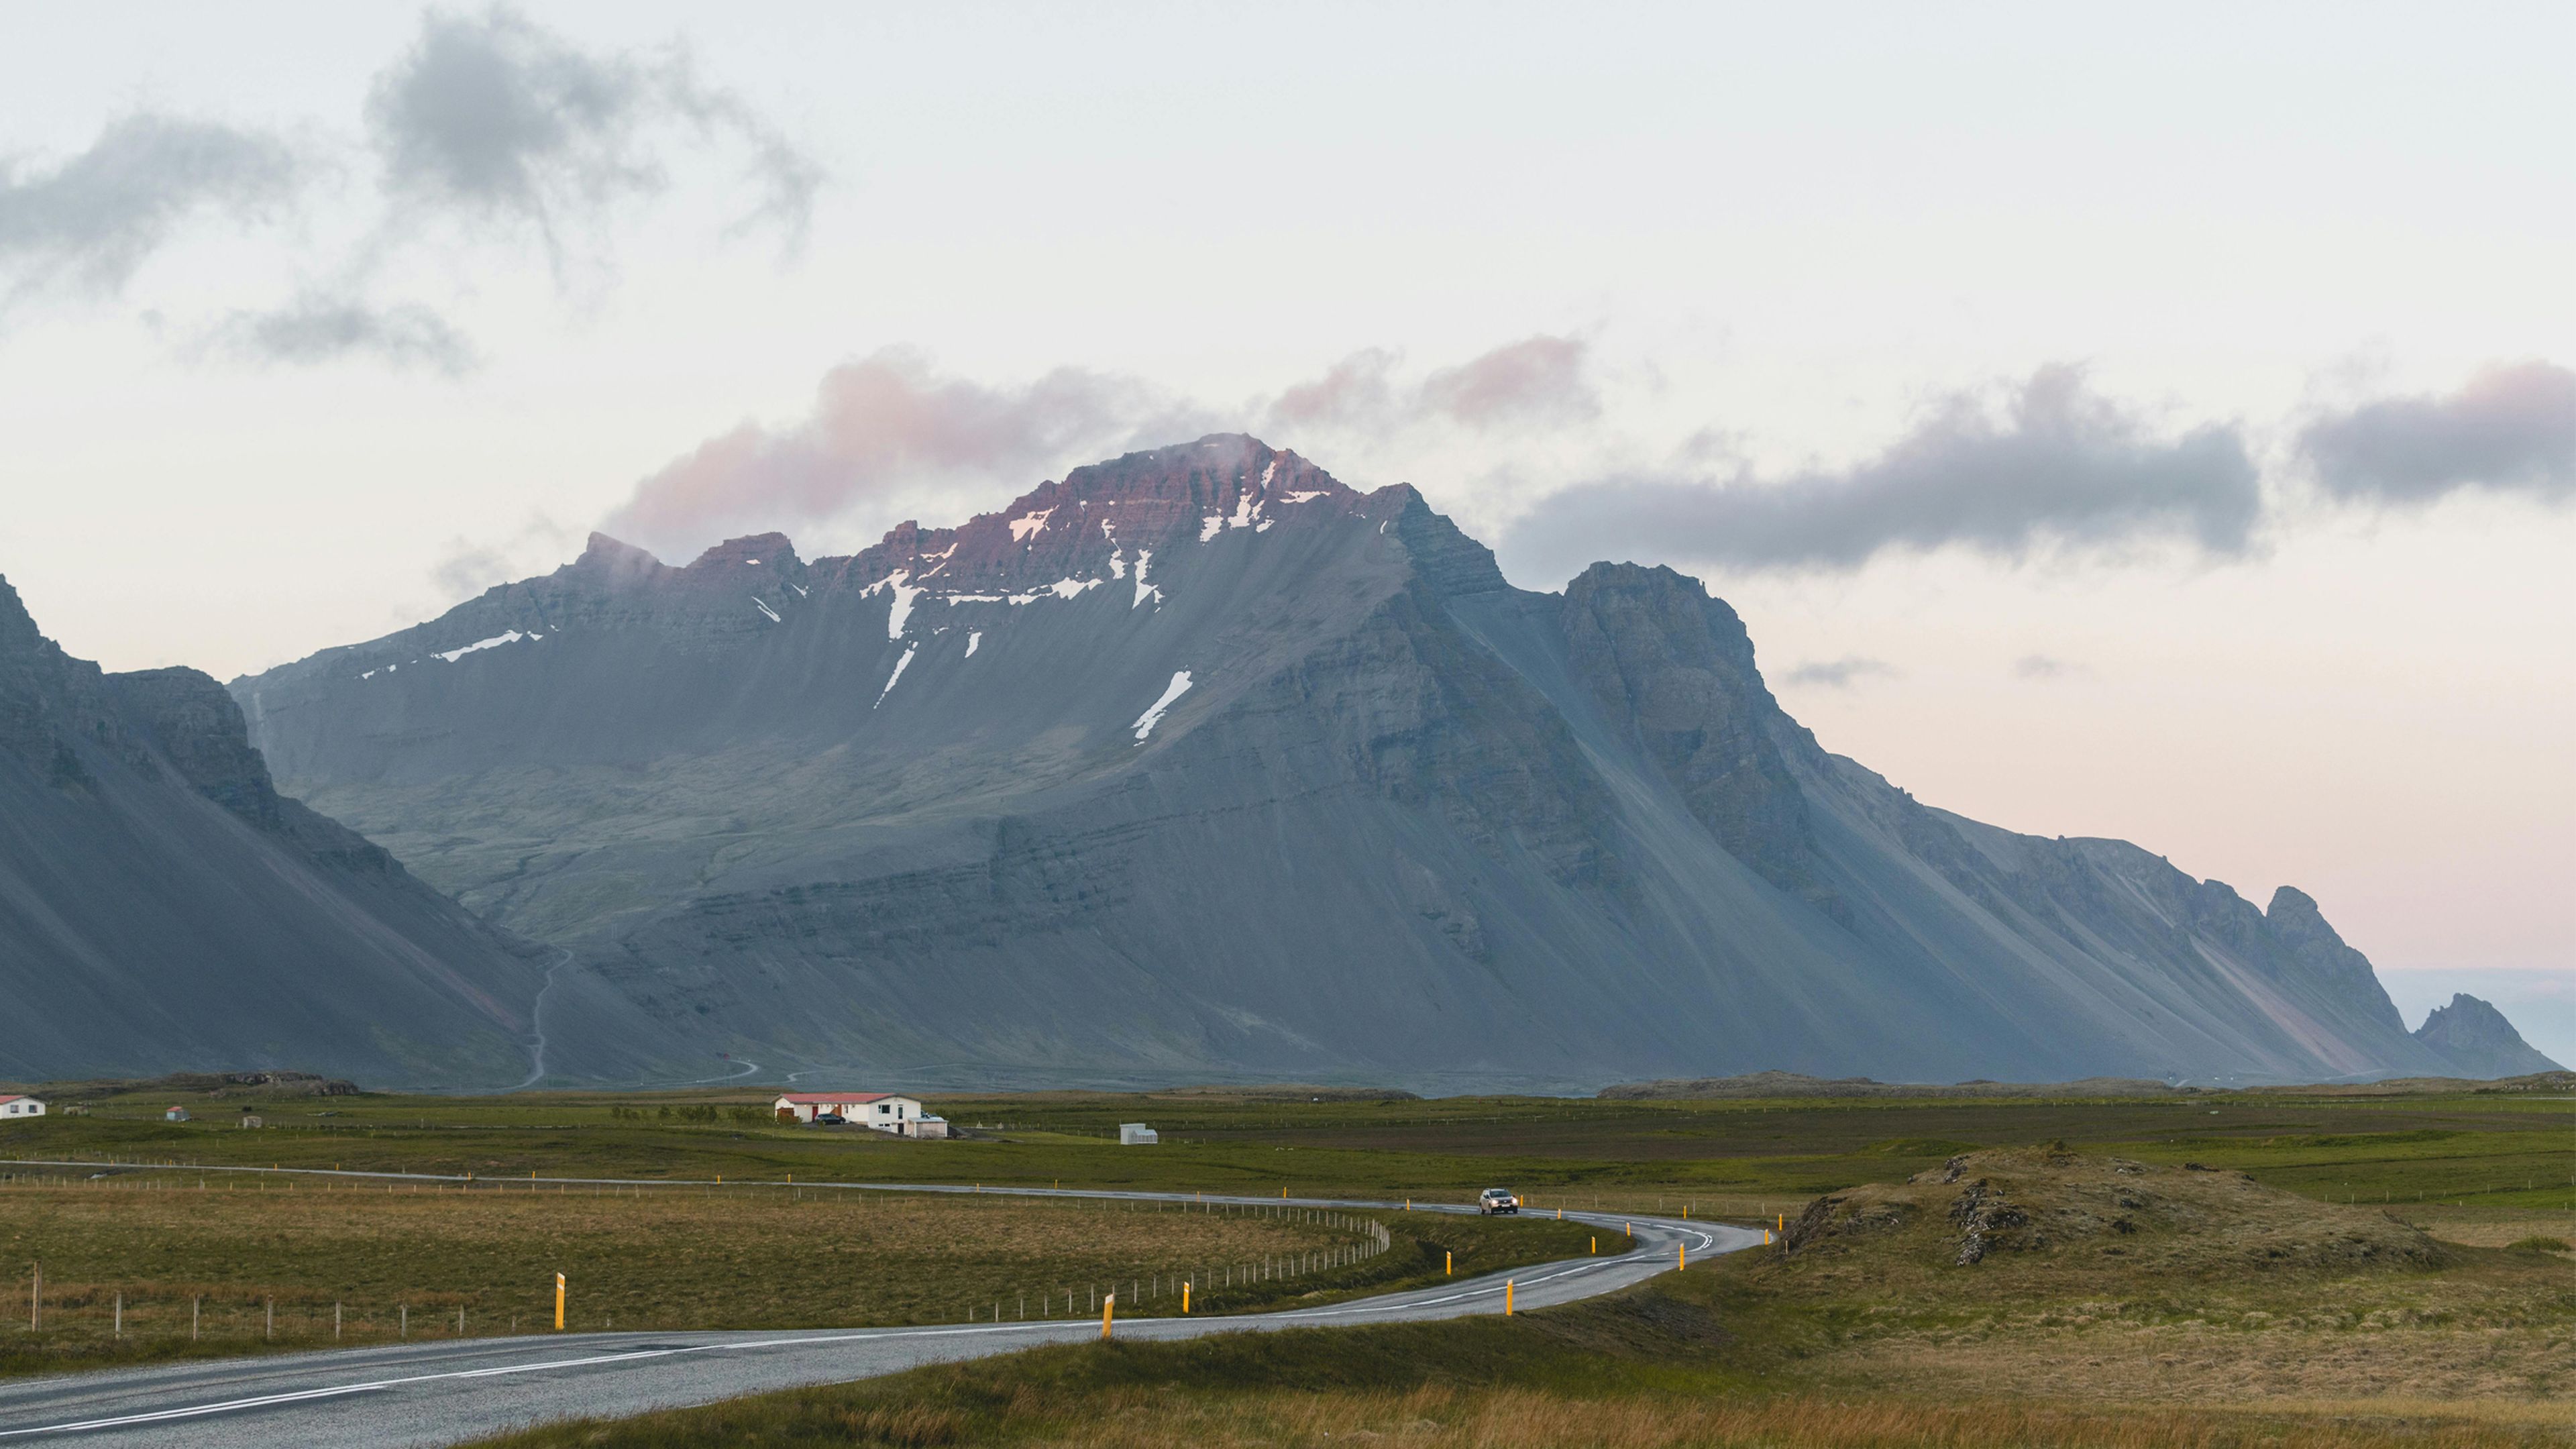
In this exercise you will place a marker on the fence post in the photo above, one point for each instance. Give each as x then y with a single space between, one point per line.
195 1305
119 1331
271 1330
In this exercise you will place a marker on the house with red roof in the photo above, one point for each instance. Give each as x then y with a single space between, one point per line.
886 1112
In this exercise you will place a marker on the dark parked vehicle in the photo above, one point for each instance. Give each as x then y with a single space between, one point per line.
830 1119
1497 1200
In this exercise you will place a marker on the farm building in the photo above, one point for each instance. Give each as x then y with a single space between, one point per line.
21 1107
175 1114
880 1111
1137 1134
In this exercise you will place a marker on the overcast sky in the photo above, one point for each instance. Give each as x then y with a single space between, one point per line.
2153 423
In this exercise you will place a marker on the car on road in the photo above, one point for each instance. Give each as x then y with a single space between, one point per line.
1497 1200
830 1119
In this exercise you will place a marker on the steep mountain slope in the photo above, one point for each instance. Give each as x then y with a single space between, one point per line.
1198 763
162 906
2477 1039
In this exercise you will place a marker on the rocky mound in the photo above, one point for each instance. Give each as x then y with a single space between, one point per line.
2055 1209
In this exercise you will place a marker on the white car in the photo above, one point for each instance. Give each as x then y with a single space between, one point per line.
1497 1200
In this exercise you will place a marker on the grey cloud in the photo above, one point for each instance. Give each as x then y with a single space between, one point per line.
467 567
502 120
92 220
1839 673
2061 468
2042 667
2510 429
881 426
322 328
1536 381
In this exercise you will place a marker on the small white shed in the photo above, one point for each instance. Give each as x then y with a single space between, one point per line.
1137 1134
21 1107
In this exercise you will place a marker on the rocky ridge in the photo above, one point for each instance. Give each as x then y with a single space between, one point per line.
1199 765
162 905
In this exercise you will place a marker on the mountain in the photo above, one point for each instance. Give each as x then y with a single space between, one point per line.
163 907
2475 1037
1200 765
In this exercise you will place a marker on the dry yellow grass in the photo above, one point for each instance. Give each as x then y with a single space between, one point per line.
2019 1273
1440 1417
757 1257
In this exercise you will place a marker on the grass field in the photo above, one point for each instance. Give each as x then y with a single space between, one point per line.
2468 1350
1744 1159
149 1264
2222 1315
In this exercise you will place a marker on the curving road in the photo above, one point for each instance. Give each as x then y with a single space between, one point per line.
442 1393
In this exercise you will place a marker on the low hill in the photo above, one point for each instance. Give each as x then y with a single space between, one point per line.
1795 1084
2079 1214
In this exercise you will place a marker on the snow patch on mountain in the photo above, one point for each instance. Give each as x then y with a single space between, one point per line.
1153 716
900 666
512 636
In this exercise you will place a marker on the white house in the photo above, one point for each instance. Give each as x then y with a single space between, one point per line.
1137 1134
881 1111
21 1107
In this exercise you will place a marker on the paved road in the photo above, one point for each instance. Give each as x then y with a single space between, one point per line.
425 1394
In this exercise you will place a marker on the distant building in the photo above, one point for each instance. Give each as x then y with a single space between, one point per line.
251 1119
878 1111
930 1127
175 1114
1137 1134
21 1107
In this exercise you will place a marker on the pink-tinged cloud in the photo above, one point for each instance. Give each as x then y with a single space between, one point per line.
882 425
1535 382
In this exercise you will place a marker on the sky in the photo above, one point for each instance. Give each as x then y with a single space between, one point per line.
2154 424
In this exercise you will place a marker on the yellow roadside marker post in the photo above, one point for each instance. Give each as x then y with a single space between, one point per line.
1784 1222
1596 1244
1507 1298
1185 1298
1685 1212
559 1302
1681 1256
1448 1263
1108 1307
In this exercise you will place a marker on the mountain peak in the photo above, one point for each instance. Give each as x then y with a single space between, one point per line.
2475 1035
758 550
615 557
